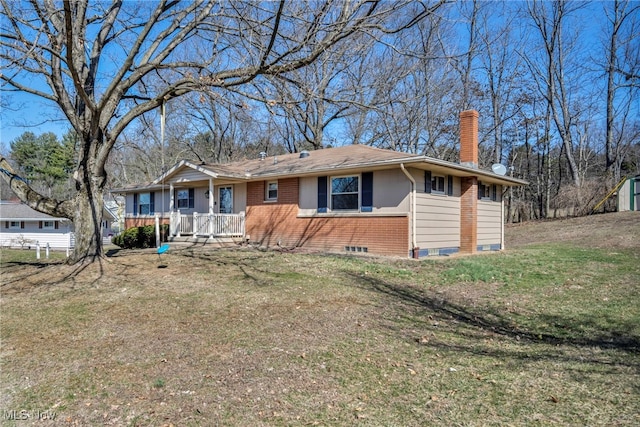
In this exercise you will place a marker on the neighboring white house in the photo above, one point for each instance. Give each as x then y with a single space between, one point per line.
21 226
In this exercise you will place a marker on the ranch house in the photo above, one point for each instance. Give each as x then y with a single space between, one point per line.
354 198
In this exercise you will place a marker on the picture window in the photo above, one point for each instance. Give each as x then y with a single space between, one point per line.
345 193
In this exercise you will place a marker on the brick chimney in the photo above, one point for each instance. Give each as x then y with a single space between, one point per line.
469 185
469 138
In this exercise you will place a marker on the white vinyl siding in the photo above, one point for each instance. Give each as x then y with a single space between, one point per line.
57 238
188 174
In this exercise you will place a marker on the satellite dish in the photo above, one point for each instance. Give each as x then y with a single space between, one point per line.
499 169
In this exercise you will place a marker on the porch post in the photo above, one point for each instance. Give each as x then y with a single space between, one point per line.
171 201
172 219
211 202
194 224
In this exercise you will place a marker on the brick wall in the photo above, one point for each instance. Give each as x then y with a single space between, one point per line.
469 185
142 221
469 215
270 223
469 138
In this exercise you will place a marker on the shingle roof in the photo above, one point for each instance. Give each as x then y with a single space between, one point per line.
340 159
350 156
17 210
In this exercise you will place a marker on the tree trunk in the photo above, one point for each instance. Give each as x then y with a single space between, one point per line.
90 177
87 223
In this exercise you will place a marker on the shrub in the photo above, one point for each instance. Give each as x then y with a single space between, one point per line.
140 237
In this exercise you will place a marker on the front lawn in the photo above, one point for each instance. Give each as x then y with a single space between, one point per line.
544 334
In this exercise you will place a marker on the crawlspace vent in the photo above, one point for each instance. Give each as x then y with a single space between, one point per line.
356 249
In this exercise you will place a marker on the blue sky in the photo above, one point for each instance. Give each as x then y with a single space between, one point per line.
23 112
28 113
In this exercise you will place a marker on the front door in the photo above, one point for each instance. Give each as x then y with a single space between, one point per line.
226 200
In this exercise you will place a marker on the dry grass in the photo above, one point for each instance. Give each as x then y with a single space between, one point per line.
545 334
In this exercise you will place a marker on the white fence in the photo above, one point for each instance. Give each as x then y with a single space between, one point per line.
210 225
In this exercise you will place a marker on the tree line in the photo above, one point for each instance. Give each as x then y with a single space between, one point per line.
556 85
555 82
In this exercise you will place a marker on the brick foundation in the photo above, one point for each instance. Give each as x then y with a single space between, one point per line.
142 221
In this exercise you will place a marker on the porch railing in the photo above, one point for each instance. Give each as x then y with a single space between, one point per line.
203 224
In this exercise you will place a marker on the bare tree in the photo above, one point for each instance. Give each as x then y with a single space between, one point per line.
552 69
622 17
311 99
106 64
502 68
408 93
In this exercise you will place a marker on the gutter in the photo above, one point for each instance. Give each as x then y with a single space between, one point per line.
413 210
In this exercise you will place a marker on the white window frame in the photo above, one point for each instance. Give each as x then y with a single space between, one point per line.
140 204
434 182
182 202
268 190
14 225
49 225
486 194
358 192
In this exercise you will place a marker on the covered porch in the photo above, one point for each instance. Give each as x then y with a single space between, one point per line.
194 200
202 204
204 208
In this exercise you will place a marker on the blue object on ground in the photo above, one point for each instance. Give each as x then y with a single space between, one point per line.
162 249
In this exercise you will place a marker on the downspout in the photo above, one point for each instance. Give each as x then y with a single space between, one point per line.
413 211
502 221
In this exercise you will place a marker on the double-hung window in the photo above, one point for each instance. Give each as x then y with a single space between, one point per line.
487 191
185 198
48 224
182 201
144 203
345 193
272 191
437 184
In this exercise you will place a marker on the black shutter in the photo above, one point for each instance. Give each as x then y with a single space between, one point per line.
39 224
449 185
21 224
480 190
367 192
152 203
192 193
56 226
6 224
135 203
322 194
494 192
427 181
